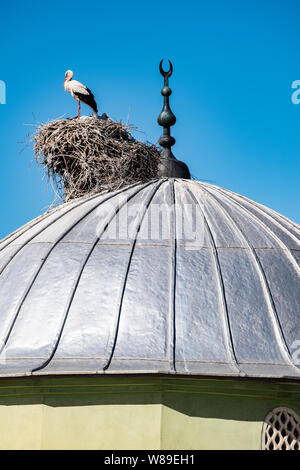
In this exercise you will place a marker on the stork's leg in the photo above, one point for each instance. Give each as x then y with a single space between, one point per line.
78 109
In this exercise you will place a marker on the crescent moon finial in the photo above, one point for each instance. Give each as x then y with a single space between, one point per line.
169 165
166 74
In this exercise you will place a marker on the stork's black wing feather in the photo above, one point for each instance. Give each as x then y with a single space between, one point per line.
87 99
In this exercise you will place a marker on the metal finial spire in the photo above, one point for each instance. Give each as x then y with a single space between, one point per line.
169 165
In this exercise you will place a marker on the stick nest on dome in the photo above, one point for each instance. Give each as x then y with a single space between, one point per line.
89 156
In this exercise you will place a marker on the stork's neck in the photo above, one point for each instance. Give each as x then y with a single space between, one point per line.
67 84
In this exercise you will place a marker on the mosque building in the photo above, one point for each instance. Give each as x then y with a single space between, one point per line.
178 329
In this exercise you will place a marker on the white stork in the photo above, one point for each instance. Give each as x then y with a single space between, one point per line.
80 93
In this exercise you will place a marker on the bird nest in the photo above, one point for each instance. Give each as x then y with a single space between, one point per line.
89 155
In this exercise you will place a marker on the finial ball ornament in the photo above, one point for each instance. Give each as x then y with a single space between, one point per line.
166 91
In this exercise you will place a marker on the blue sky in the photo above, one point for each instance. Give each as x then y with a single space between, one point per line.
234 64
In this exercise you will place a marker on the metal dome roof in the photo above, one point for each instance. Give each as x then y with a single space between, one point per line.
208 286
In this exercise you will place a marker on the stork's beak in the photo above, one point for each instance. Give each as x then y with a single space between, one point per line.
64 82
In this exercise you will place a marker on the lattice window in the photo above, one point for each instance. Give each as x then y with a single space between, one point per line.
281 430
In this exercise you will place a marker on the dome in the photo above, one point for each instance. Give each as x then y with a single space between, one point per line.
129 282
